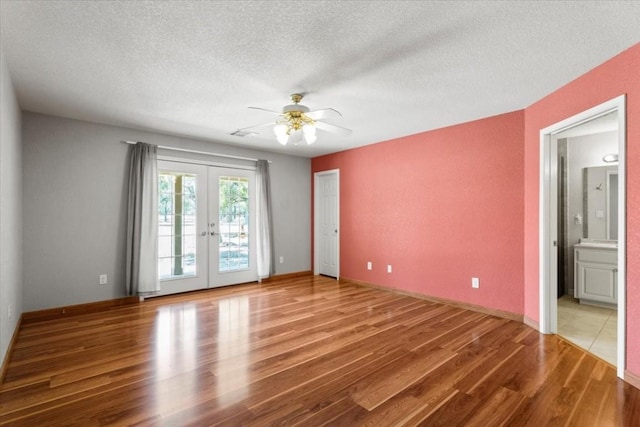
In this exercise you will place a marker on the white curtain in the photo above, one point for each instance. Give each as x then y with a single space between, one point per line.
142 221
264 227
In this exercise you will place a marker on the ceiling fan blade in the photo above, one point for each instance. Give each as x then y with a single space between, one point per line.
328 127
268 111
325 113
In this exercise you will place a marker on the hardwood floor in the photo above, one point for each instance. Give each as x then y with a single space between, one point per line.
306 351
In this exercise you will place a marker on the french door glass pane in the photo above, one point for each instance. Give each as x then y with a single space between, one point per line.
176 225
234 223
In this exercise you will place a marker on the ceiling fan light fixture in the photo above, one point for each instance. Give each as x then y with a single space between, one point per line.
309 129
310 138
280 129
282 133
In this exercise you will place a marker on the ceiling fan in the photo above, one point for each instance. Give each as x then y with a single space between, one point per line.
297 122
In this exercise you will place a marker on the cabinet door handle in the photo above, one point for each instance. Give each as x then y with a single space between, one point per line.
615 270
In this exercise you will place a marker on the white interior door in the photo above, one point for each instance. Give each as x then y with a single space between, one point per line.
206 226
328 223
232 243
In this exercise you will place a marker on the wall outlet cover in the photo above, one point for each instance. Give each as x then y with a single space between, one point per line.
389 268
369 265
103 279
475 282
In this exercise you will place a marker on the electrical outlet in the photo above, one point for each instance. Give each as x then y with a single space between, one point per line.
103 279
10 312
281 260
389 268
369 265
475 282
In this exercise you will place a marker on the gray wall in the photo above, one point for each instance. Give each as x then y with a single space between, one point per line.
75 178
10 210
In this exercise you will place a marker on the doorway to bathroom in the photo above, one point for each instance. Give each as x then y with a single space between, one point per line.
588 235
582 230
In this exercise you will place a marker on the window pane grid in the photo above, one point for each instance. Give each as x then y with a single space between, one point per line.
176 225
233 220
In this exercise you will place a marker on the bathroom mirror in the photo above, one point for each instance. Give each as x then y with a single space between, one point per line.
600 190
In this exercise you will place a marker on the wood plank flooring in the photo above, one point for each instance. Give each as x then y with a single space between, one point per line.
307 351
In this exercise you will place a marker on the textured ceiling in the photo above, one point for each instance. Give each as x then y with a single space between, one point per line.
392 68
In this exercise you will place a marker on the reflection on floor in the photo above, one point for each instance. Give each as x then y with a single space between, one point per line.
589 327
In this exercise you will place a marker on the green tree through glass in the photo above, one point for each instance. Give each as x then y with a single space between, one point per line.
234 196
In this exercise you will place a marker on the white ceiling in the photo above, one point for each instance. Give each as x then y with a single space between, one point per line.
392 68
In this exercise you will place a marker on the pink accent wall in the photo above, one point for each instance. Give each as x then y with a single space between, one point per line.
440 207
445 205
620 75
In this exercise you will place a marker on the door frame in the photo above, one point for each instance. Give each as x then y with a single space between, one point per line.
548 220
316 215
211 164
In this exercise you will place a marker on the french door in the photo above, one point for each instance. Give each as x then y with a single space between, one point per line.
206 223
232 237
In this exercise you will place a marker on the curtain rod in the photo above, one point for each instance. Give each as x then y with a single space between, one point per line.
185 150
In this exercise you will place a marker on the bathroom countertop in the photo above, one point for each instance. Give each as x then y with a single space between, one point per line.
599 245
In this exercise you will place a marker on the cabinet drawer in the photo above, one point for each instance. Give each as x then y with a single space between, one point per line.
602 256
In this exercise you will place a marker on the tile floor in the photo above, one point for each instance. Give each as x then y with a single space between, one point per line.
590 327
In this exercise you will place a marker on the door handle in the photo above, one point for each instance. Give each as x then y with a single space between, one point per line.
204 233
213 233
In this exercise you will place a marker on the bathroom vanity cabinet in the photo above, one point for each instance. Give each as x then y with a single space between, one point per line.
596 273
